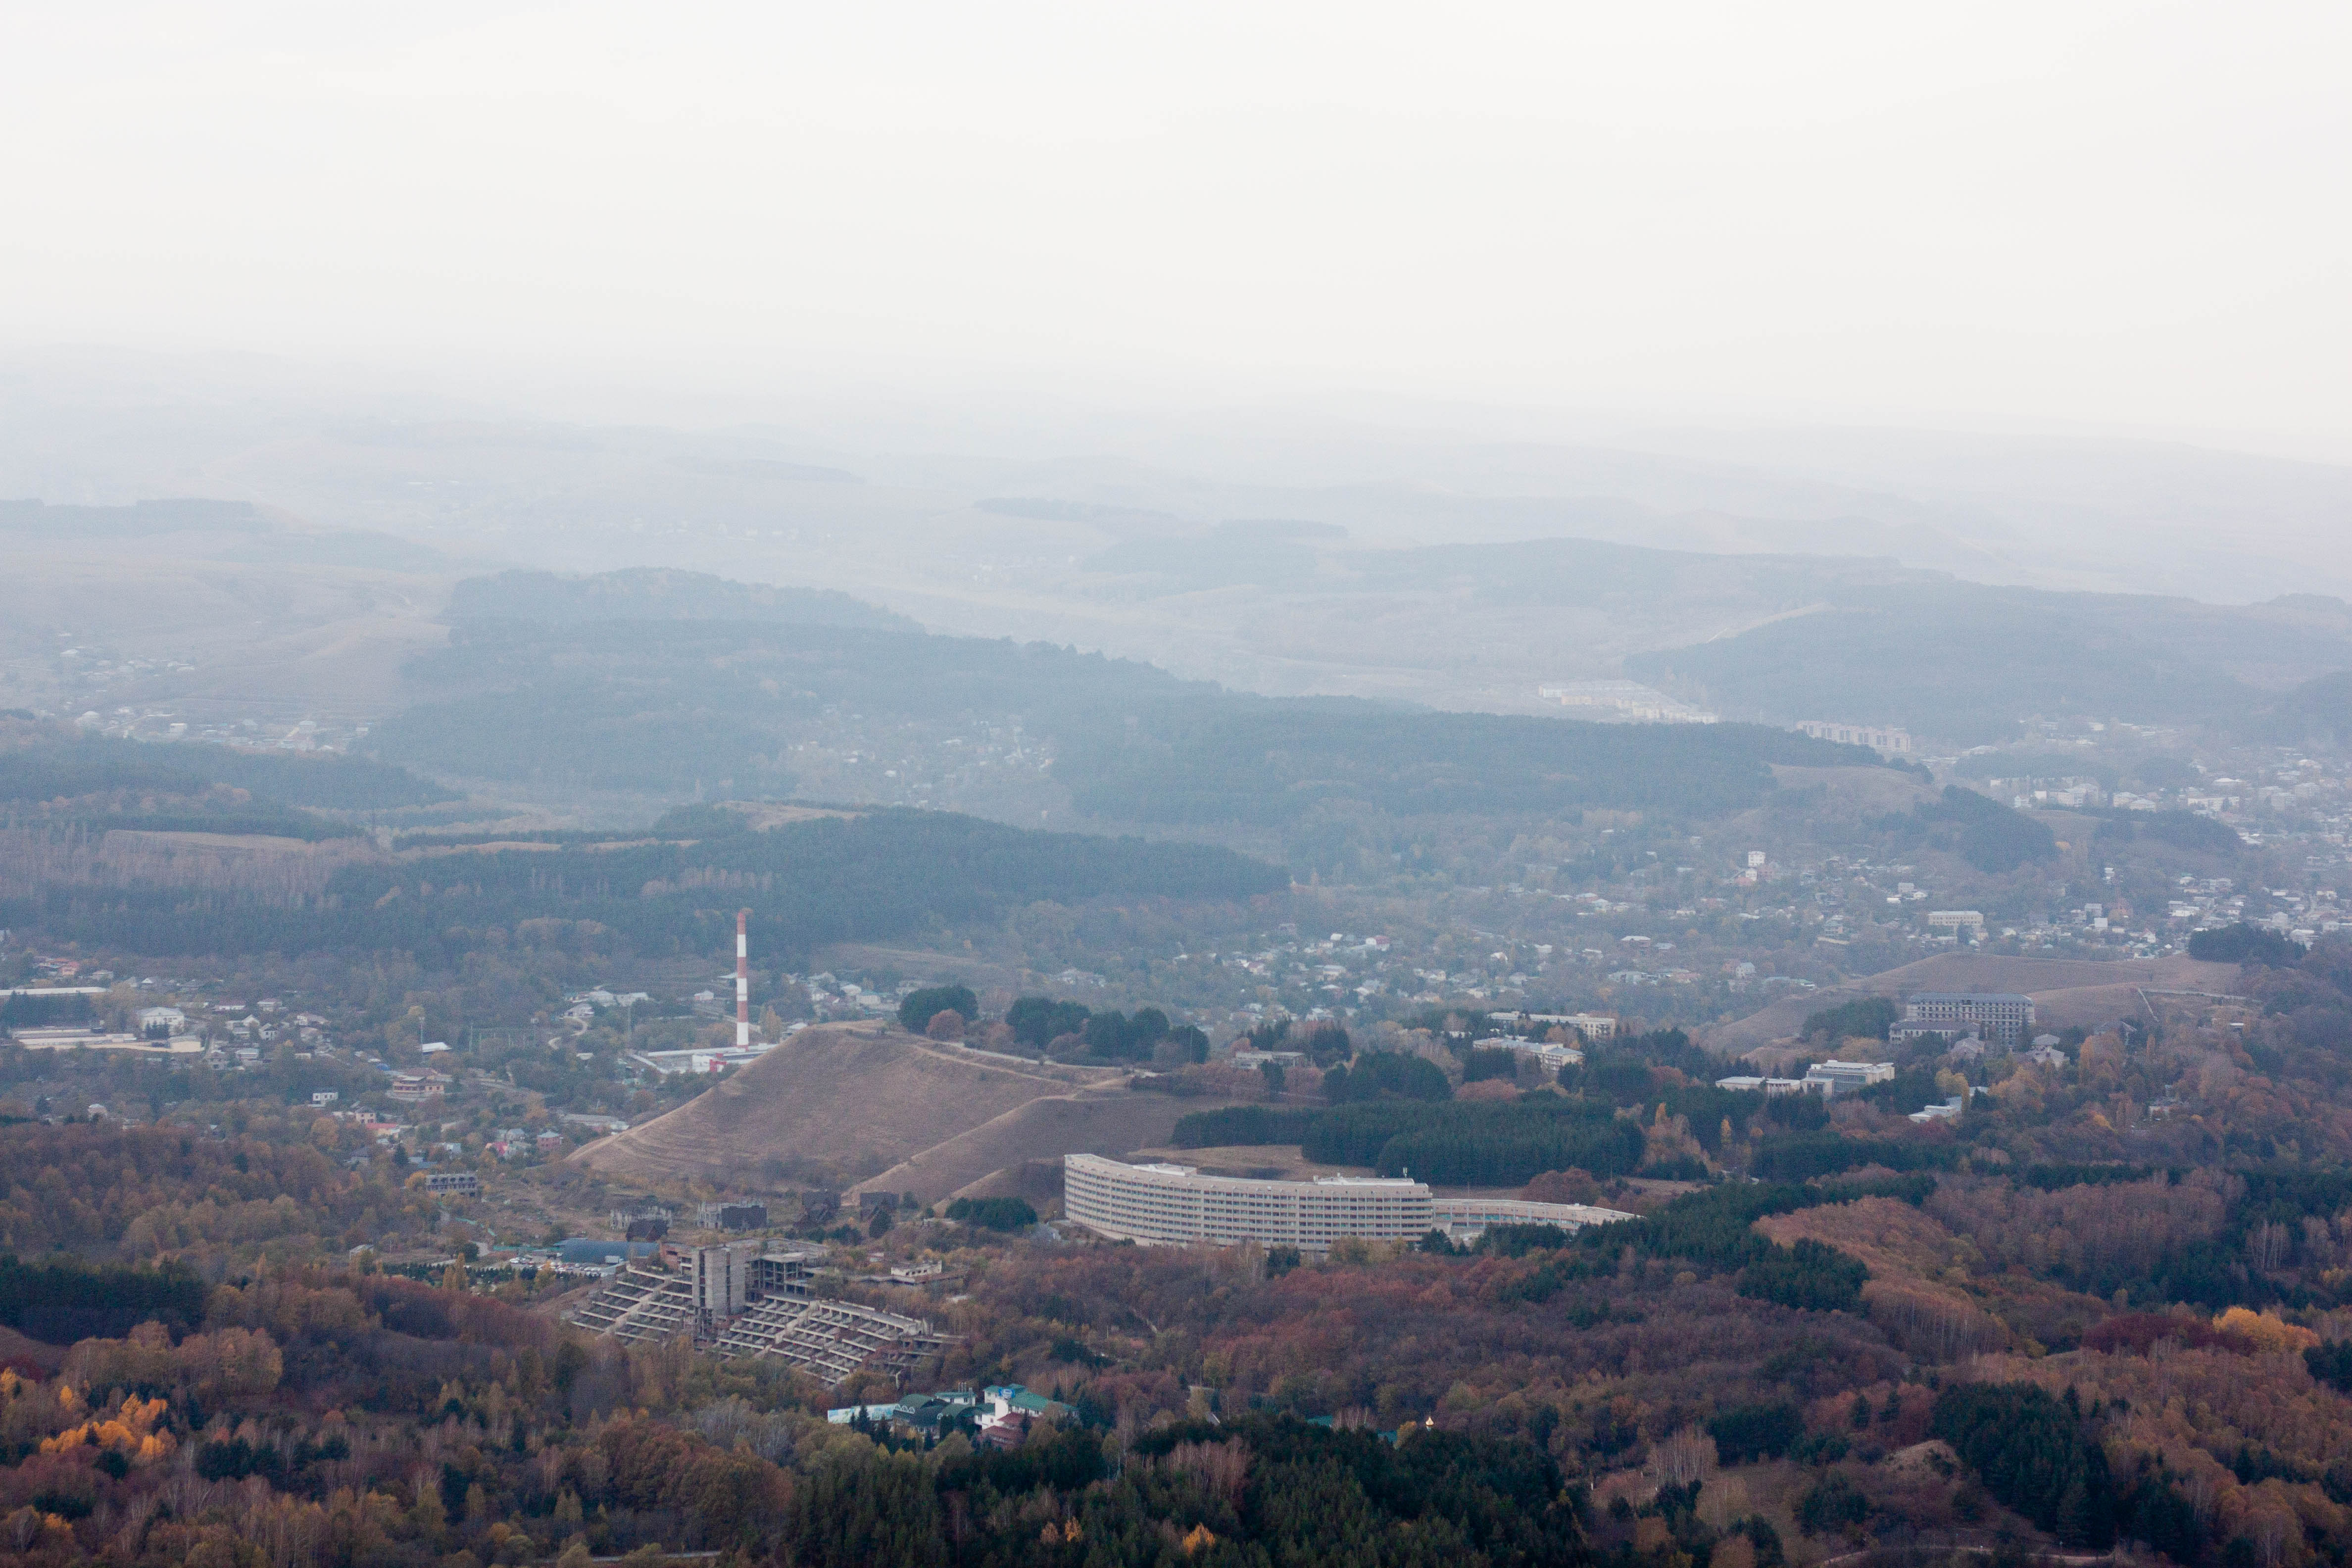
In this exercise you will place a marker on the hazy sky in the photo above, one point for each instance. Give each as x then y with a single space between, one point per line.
2116 214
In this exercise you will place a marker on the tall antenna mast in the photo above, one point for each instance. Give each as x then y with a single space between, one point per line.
742 980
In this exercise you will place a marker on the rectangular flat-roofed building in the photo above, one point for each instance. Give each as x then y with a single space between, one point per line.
1832 1079
2000 1018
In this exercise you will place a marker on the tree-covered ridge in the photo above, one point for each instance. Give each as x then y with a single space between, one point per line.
57 772
1208 762
662 704
145 1194
1888 653
832 880
1990 836
536 686
656 593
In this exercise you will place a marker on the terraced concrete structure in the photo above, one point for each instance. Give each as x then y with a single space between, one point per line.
830 1339
640 1306
707 1288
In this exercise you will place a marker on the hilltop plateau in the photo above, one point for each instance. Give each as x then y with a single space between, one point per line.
869 1100
2067 992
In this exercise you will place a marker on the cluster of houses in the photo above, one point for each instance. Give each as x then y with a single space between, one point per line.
238 1041
1001 1416
514 1143
1969 1024
1824 1078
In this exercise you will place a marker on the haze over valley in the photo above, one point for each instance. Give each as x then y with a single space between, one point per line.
1240 788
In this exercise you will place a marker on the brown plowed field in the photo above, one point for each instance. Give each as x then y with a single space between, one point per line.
856 1097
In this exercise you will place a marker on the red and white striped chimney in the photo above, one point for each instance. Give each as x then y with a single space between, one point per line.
742 979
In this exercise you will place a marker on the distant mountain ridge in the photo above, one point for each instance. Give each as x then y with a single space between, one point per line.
1967 663
659 594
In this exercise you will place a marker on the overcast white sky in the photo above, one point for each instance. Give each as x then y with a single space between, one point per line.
2120 214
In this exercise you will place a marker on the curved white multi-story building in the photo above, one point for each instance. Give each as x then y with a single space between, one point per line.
1175 1206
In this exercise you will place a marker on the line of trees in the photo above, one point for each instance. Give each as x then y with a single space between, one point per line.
1454 1142
1038 1021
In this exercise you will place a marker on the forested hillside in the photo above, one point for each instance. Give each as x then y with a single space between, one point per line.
656 593
1966 662
877 874
657 705
662 682
52 767
1260 762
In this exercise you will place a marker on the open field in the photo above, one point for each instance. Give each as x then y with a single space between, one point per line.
1102 1121
2065 991
281 621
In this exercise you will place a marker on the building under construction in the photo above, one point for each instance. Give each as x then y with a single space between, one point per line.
830 1339
744 1299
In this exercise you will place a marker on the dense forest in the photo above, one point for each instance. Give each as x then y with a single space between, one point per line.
52 773
1267 762
1452 1141
1679 1390
874 874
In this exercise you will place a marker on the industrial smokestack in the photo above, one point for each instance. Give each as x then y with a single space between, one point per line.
742 979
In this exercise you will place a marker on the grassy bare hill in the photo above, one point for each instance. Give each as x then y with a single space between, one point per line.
1091 1121
2065 991
855 1097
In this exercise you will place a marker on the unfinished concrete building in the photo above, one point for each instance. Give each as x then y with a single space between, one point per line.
830 1339
693 1291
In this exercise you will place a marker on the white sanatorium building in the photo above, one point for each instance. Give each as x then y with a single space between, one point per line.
1177 1206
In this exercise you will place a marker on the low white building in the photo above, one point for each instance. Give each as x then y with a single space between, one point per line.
1885 738
1466 1219
1591 1026
95 1040
1750 1085
1553 1057
1833 1079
